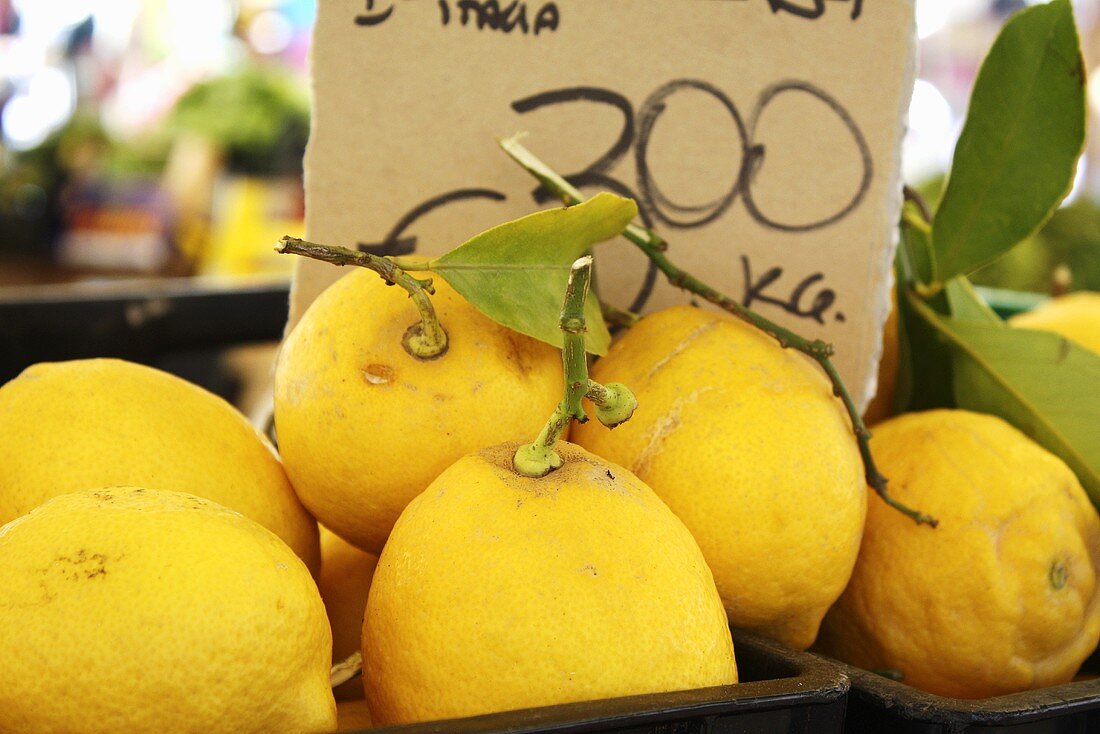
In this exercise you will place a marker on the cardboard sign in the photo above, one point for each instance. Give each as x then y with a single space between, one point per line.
761 138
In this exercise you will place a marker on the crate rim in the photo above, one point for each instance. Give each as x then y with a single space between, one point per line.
910 703
815 680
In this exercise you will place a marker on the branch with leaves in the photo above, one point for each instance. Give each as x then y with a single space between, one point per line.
1013 165
655 249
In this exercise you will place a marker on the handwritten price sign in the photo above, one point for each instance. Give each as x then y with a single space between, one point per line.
760 137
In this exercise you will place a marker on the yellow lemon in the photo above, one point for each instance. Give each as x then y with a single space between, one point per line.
133 610
1075 316
344 582
68 426
1002 596
746 443
498 592
363 427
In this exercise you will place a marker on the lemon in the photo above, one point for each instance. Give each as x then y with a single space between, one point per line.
68 426
999 598
746 443
363 427
344 582
498 592
133 610
1076 316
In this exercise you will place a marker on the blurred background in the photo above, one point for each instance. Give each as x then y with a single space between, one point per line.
155 137
147 142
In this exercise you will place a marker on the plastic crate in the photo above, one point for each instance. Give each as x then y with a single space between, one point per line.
781 690
137 320
877 704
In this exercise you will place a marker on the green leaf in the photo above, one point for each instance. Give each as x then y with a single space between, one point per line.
924 362
1039 382
967 305
516 273
1025 130
916 260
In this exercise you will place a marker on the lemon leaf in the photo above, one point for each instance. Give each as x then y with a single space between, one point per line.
515 273
924 364
1025 130
1040 382
967 305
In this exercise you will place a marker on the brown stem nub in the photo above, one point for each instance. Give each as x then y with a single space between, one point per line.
917 199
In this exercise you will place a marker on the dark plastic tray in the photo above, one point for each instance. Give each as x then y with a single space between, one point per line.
780 691
877 704
136 320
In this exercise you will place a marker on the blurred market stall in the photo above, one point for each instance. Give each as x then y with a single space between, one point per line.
149 138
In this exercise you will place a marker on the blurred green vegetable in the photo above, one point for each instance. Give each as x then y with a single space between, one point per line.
259 117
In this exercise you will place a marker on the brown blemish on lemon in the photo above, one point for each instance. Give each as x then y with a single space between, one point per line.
378 374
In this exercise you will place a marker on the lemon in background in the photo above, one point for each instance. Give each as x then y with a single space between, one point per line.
881 406
746 443
344 583
1076 316
1002 595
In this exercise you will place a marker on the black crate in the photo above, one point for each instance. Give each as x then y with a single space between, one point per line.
877 704
142 321
781 690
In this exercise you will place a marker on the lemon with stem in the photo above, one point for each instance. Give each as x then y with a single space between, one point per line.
535 574
1003 596
372 404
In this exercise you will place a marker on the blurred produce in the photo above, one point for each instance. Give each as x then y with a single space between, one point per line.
162 138
1065 255
235 169
1075 316
258 117
34 183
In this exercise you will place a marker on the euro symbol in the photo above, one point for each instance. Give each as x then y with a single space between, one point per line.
370 17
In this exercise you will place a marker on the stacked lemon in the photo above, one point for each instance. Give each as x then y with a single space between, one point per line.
165 581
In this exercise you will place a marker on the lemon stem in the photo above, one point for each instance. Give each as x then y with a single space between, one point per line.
539 458
425 339
654 247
